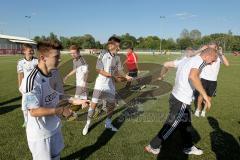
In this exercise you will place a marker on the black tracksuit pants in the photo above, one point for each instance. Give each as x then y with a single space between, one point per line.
179 118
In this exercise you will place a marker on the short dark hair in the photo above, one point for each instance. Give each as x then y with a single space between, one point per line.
26 45
130 48
75 47
114 39
46 45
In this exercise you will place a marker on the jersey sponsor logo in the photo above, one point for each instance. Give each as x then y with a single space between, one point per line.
50 97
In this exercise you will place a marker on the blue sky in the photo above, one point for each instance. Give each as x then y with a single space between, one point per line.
102 18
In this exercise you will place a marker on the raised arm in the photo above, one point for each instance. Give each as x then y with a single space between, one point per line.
223 58
166 66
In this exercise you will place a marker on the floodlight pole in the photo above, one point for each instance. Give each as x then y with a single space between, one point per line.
29 19
160 47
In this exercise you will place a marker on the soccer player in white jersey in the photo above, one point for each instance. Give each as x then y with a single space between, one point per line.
43 128
80 68
209 78
187 78
109 68
24 67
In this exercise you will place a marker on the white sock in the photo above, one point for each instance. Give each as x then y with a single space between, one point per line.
108 121
204 109
198 110
90 115
88 121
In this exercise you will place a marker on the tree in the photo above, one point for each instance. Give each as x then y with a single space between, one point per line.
53 37
184 34
183 43
195 34
98 45
193 39
128 40
230 32
88 42
169 44
65 42
206 40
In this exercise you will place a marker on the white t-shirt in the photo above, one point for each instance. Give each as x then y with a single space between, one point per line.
178 61
210 72
81 69
39 93
24 66
182 89
110 64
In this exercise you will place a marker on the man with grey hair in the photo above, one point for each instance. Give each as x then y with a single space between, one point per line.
187 79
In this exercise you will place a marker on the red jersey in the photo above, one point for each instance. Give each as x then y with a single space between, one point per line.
131 61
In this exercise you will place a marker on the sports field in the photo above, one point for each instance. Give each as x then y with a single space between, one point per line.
138 120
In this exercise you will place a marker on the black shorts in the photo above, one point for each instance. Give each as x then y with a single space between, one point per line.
210 87
133 73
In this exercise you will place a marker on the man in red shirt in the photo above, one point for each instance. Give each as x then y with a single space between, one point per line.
132 64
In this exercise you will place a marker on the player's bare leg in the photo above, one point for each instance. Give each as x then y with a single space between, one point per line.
203 114
199 106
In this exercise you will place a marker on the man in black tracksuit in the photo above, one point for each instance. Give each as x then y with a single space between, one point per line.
187 78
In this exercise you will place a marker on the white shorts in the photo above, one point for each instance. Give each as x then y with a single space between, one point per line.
81 92
103 90
81 82
103 94
81 75
47 149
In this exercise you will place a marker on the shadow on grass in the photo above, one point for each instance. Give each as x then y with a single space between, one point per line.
107 135
6 109
223 144
102 140
126 112
10 100
172 148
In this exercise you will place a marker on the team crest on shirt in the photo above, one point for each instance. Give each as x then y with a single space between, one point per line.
43 80
50 97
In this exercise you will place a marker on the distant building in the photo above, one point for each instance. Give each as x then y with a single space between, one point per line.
13 44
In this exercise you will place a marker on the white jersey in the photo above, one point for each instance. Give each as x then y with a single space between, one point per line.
81 70
110 64
182 89
39 93
210 72
26 66
178 61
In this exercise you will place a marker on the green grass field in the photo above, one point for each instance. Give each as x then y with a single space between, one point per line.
218 134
